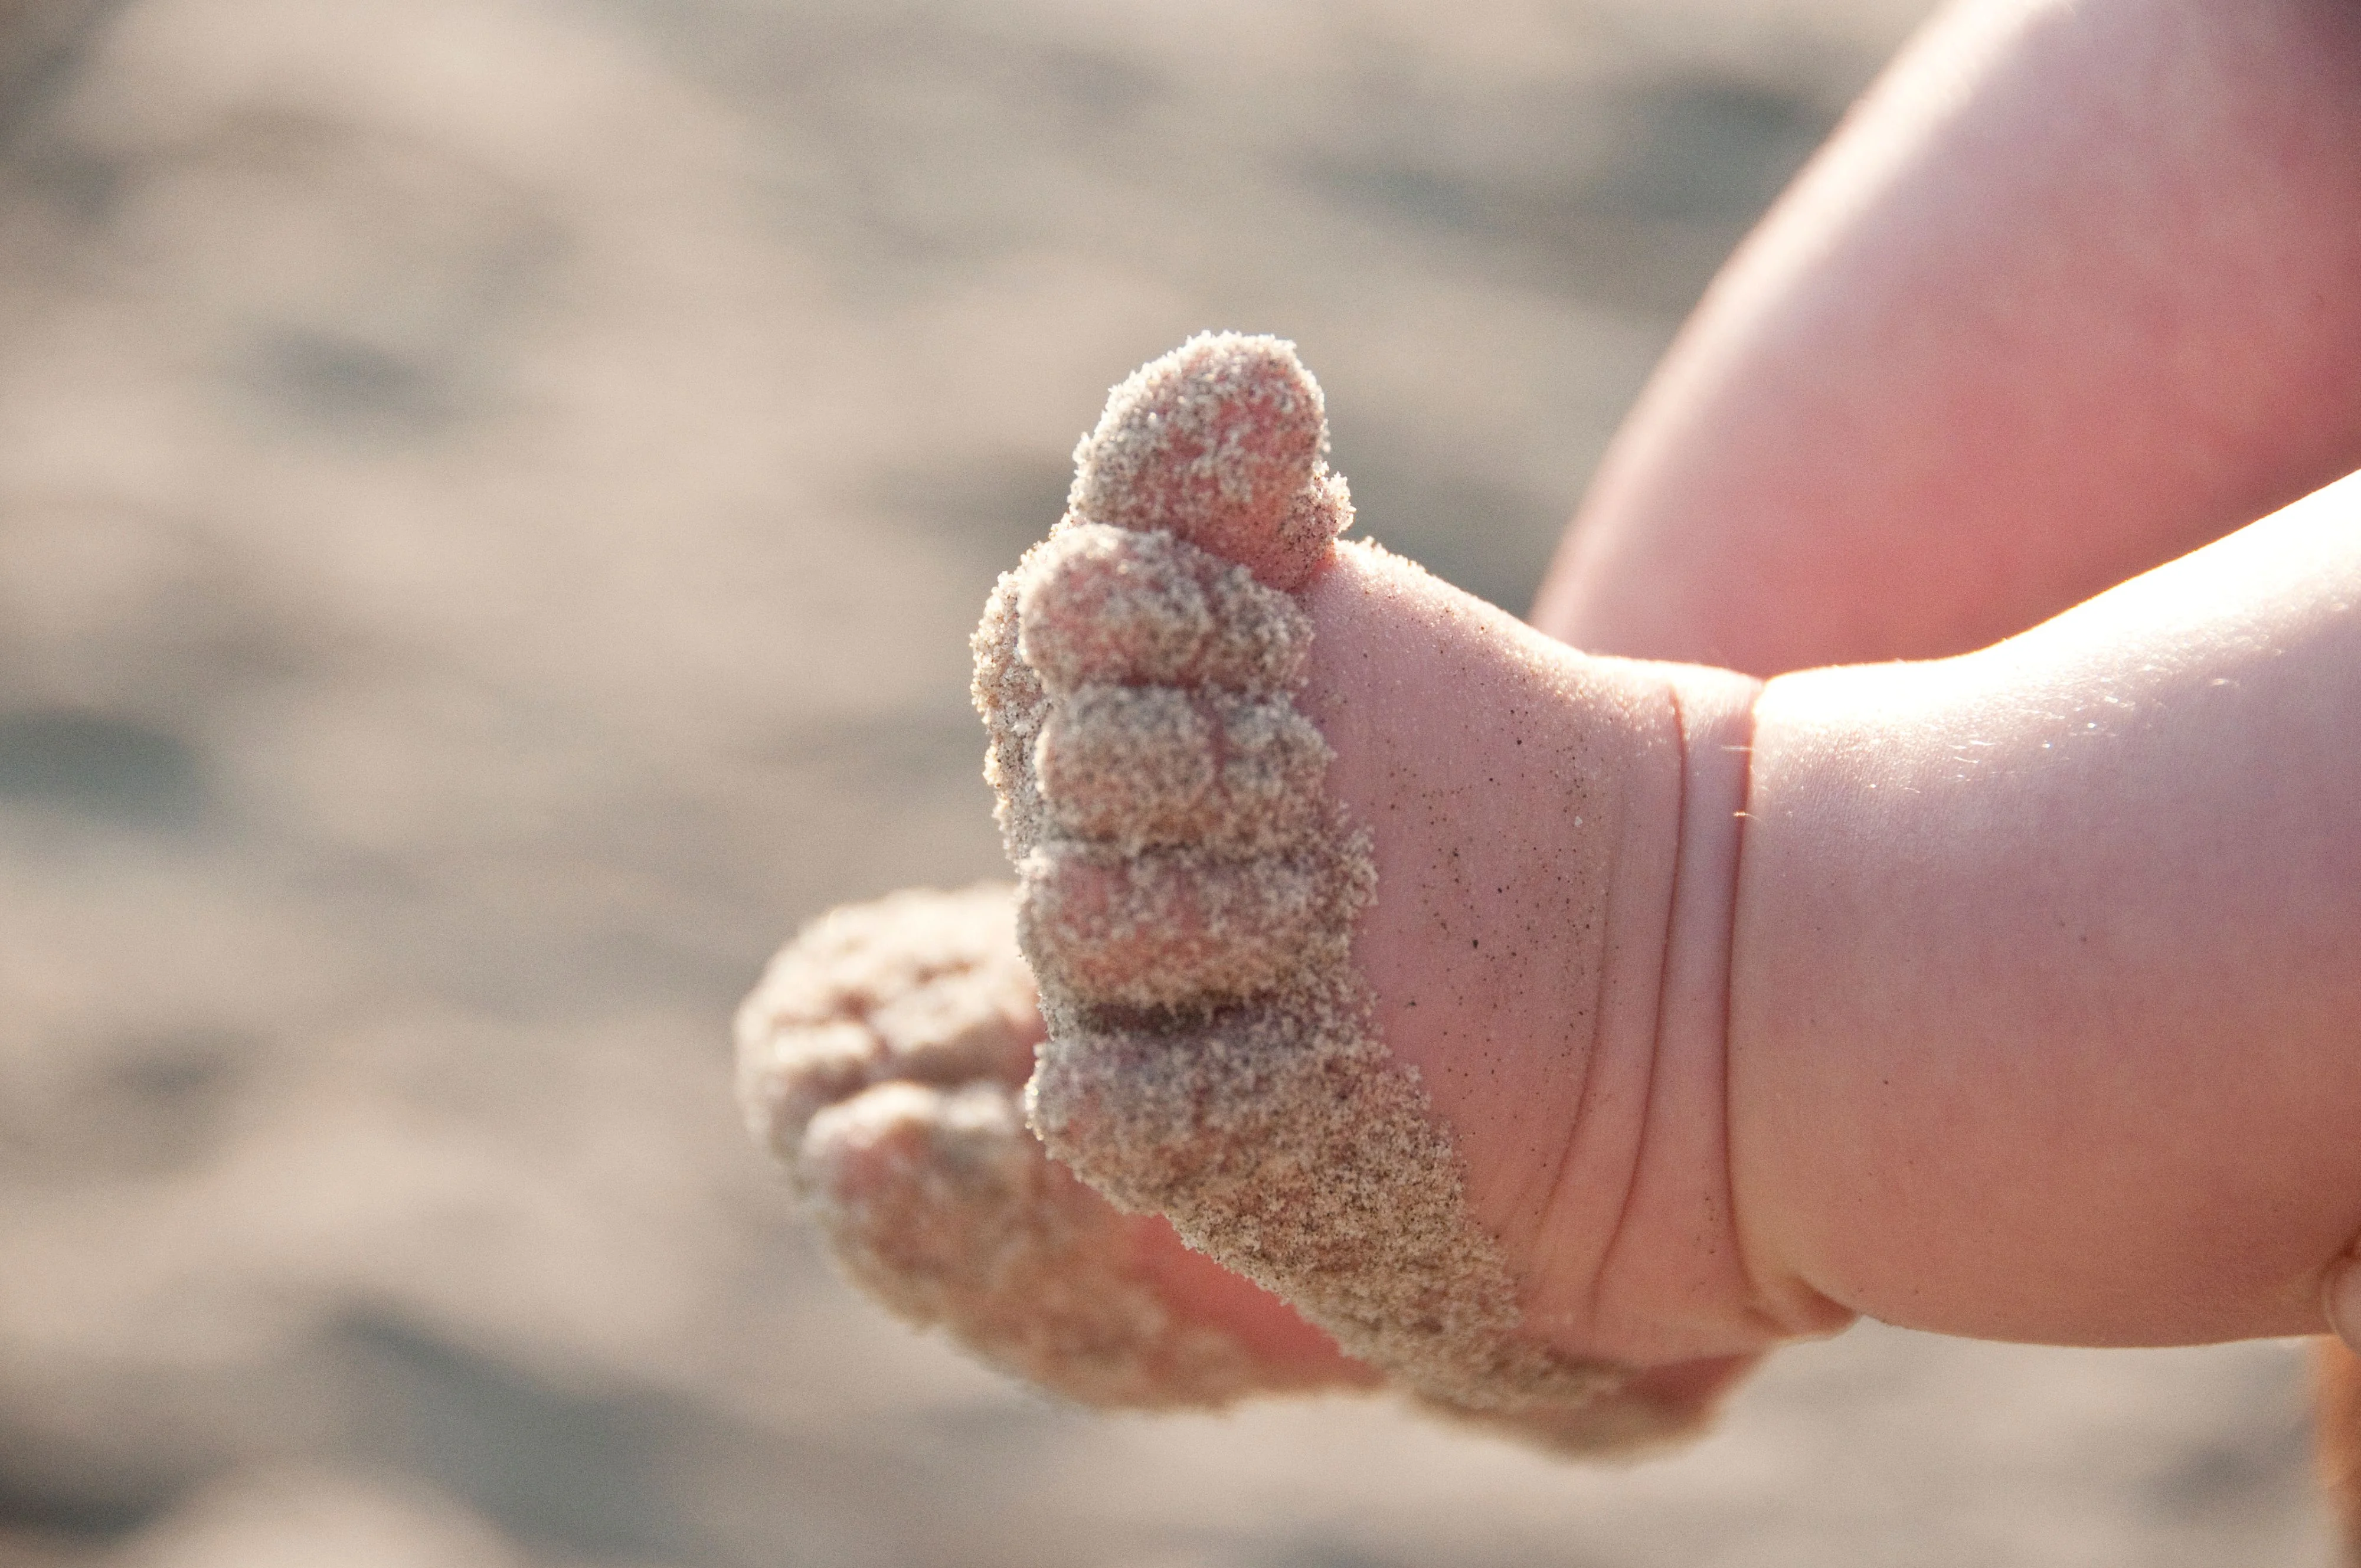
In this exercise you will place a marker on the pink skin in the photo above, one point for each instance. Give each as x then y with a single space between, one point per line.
2020 1001
2069 294
2057 941
2009 341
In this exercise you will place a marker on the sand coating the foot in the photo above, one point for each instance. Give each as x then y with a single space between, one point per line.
1188 891
1188 894
882 1060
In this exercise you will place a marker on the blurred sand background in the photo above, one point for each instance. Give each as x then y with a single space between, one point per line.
492 497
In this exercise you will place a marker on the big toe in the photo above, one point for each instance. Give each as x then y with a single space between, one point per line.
1221 443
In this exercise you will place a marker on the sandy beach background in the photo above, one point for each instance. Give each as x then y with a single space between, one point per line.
492 497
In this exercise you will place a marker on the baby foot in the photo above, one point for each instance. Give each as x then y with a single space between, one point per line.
1201 796
882 1060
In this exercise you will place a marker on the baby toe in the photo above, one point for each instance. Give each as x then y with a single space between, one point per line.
803 1072
1174 928
1099 605
1217 442
881 1059
1132 765
1149 767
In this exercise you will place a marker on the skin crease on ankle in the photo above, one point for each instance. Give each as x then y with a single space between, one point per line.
1507 780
